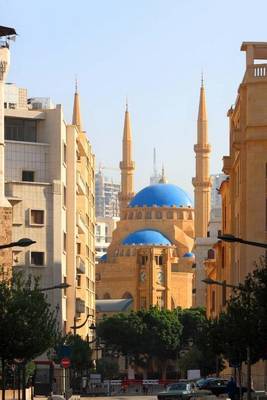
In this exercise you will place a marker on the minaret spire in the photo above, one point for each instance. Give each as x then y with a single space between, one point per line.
127 164
76 115
202 182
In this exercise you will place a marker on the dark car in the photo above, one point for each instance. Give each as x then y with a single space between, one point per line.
181 390
216 385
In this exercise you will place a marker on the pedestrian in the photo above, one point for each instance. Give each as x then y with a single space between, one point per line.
231 388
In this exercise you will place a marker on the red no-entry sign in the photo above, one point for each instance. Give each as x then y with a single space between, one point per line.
65 362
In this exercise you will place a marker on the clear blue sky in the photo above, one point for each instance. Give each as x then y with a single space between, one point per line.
153 51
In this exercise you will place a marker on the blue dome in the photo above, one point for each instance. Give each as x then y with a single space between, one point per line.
188 255
161 194
146 236
103 258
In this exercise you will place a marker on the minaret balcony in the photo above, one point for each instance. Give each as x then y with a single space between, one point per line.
128 165
202 148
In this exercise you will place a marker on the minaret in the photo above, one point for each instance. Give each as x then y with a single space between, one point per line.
76 115
127 165
202 181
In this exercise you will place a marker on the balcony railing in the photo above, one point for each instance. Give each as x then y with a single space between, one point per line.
80 265
255 72
80 224
81 186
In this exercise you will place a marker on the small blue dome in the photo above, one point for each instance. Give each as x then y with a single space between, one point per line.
103 258
188 255
146 236
161 194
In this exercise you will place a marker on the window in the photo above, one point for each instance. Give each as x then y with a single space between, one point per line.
64 241
170 215
139 215
65 289
144 260
65 153
28 176
143 302
37 217
20 129
148 215
78 279
64 196
159 260
78 248
37 258
158 215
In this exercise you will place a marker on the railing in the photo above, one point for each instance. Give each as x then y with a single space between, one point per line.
255 72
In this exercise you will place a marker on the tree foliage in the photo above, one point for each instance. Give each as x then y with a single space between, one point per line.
244 322
27 323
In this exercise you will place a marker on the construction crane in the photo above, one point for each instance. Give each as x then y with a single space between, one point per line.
101 167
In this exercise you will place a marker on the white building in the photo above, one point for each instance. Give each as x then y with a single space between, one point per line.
104 228
107 200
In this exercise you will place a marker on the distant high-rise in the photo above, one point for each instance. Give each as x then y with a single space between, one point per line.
107 196
155 178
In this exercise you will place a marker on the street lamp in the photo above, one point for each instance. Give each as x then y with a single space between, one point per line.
20 243
233 239
75 327
59 286
224 284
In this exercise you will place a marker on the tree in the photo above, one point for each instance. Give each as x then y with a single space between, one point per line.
197 343
107 367
28 325
144 335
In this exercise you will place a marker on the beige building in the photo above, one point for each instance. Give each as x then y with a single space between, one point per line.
5 206
243 193
49 180
149 259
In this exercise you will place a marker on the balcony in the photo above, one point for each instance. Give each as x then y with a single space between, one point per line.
255 73
80 224
80 306
81 186
80 265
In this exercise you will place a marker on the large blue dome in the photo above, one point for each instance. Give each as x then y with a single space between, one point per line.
148 237
161 194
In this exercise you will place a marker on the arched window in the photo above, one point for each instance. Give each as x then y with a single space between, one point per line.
128 252
139 215
106 296
158 214
211 254
148 215
169 215
121 252
127 295
130 215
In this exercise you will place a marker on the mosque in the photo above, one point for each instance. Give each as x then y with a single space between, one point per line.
150 261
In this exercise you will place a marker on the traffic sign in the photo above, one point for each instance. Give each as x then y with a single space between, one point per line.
65 362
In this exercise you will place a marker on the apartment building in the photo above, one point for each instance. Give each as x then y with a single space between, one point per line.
49 180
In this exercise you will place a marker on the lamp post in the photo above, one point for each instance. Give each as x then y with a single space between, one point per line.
224 284
59 286
233 239
25 242
75 327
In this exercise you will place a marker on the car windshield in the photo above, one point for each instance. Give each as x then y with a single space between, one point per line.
177 386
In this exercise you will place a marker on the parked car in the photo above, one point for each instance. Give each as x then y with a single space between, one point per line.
180 390
216 385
